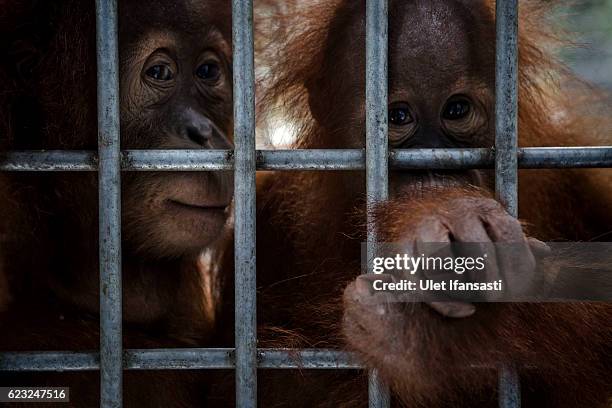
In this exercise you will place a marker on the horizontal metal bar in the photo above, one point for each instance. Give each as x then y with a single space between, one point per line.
564 157
49 361
186 359
178 359
307 359
303 159
53 160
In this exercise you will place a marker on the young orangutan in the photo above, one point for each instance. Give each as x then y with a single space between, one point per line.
176 93
311 224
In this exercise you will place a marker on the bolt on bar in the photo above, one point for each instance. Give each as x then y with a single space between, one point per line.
377 148
506 148
109 191
244 201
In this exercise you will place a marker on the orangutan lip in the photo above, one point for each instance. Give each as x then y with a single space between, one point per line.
204 207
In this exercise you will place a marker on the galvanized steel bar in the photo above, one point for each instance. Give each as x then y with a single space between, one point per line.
378 392
49 361
179 359
244 199
178 160
506 147
53 160
307 159
564 157
506 104
109 191
186 359
377 148
319 359
311 159
509 387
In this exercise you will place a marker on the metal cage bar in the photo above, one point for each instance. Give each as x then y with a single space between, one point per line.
180 359
109 196
306 159
509 387
377 148
186 359
506 105
506 148
244 204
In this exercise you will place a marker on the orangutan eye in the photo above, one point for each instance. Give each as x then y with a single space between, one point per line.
403 123
160 73
456 109
209 71
463 117
400 115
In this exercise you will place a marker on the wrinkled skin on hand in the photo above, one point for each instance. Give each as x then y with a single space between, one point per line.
476 225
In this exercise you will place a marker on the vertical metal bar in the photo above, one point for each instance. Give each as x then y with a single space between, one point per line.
506 145
509 387
244 185
377 149
378 392
109 191
506 104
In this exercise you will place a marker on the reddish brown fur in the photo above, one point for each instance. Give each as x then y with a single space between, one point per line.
308 235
